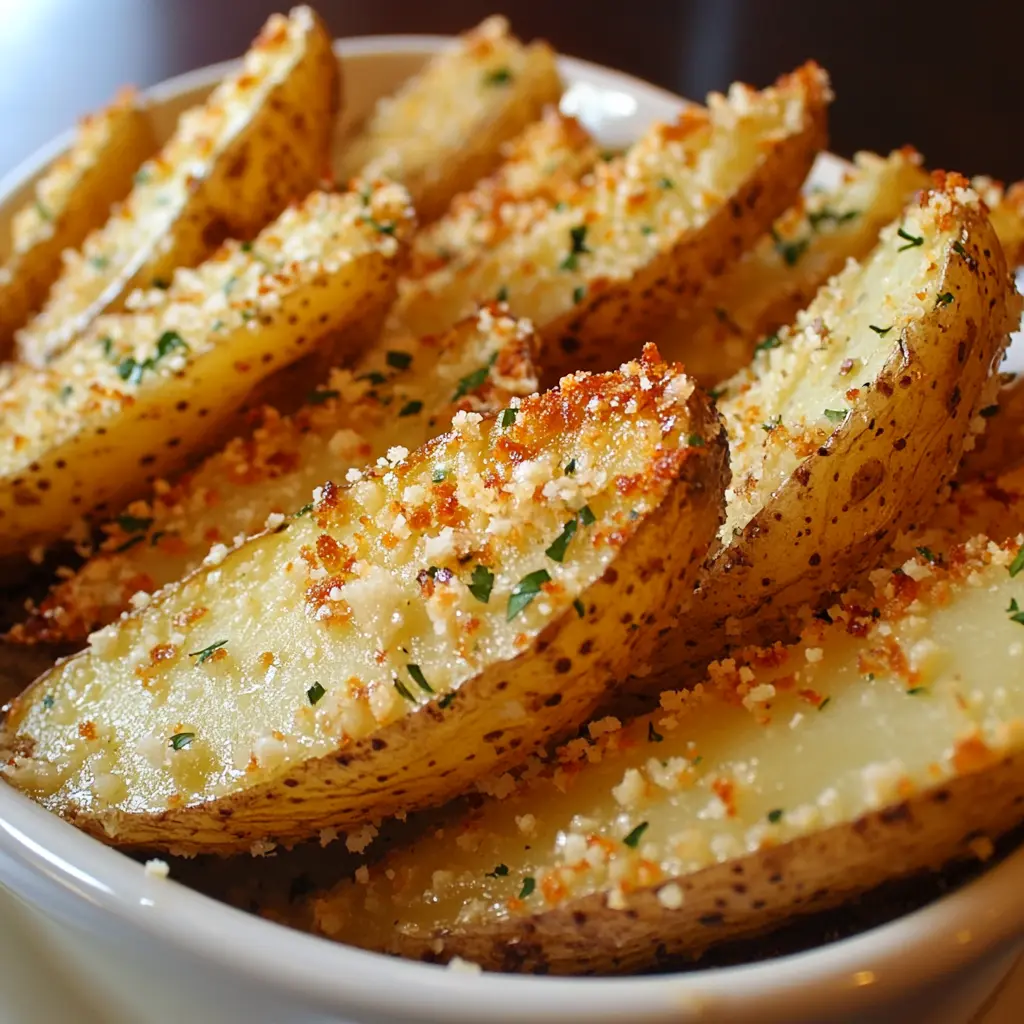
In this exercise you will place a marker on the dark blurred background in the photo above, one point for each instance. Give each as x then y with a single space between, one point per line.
947 77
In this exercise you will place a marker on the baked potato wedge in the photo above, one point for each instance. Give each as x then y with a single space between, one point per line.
392 398
444 129
884 743
72 198
138 393
260 140
846 428
395 639
540 166
714 336
1006 210
613 260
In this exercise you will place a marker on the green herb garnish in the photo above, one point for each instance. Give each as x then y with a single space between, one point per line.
321 395
482 583
445 700
1018 563
474 380
48 701
411 408
502 295
944 299
579 293
774 422
821 706
880 331
403 689
556 552
399 360
315 692
508 417
652 736
772 341
633 839
1014 611
207 652
819 217
438 475
417 676
790 251
775 816
529 884
498 76
914 690
835 415
500 871
577 237
913 241
580 610
570 467
525 591
927 554
180 740
133 524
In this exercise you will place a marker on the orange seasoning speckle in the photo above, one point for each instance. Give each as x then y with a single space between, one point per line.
87 730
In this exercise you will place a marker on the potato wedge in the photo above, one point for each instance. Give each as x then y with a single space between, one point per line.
395 639
139 393
601 270
1006 210
541 166
846 428
260 140
714 337
793 780
444 129
73 198
401 397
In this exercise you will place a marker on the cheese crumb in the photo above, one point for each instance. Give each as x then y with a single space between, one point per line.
671 896
157 868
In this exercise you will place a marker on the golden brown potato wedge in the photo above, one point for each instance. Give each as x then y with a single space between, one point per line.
444 129
847 427
714 336
541 166
398 397
260 140
73 198
395 639
614 260
138 393
886 742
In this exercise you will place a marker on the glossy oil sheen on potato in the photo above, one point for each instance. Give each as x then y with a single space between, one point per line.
139 393
397 638
884 743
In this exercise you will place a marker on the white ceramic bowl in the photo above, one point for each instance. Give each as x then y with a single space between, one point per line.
157 951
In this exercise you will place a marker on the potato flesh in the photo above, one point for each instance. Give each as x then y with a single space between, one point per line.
444 128
73 198
662 191
542 166
354 420
763 754
144 232
102 723
786 404
715 336
117 405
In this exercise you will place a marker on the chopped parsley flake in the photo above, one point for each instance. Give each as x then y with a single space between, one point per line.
399 360
374 378
633 839
880 331
508 417
131 370
99 262
403 690
586 517
580 610
142 175
305 508
666 183
130 543
321 395
1018 563
502 295
500 871
775 816
790 251
913 241
417 676
819 217
529 884
774 422
474 380
652 736
944 299
384 229
927 554
835 415
577 237
207 652
133 524
695 441
570 467
498 76
411 408
915 690
772 341
646 229
482 583
48 701
66 392
445 700
43 211
579 293
556 552
1014 611
525 591
315 692
821 706
438 475
180 740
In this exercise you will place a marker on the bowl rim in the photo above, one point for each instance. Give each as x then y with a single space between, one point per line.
68 874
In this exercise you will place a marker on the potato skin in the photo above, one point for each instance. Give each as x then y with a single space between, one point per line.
884 469
749 895
435 753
